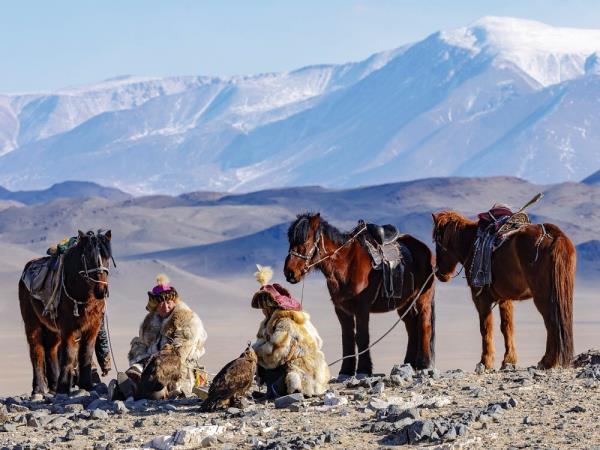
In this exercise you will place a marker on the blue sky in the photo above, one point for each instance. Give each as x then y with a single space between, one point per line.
46 45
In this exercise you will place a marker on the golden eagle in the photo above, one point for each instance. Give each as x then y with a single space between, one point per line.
232 382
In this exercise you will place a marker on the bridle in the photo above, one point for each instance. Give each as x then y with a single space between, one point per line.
314 251
437 240
100 267
85 273
311 253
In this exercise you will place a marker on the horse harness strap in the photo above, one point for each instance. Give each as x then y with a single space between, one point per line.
315 248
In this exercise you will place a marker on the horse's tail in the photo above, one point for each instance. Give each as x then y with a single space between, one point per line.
561 299
432 323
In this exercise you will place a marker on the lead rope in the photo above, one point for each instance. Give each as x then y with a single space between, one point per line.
355 355
108 335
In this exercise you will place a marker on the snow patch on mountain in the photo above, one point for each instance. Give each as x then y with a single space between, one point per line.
500 96
547 54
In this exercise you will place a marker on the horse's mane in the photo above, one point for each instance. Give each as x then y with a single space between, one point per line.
298 231
98 241
447 226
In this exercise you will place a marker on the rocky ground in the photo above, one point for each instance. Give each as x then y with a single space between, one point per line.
450 410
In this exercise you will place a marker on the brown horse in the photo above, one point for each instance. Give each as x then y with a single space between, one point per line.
56 344
356 290
536 261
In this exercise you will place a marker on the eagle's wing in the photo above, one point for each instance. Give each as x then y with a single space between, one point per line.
232 380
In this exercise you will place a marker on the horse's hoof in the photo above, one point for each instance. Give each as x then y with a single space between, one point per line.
480 368
342 377
508 367
362 376
37 397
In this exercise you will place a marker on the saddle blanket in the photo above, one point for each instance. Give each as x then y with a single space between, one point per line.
494 228
42 279
391 260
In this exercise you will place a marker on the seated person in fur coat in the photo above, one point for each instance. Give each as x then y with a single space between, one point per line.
164 357
288 346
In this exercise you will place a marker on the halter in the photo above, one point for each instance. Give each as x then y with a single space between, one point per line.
438 241
315 248
100 268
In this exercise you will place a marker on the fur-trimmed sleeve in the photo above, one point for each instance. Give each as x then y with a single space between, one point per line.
139 346
189 337
274 350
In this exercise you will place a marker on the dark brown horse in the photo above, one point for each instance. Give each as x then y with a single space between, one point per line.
536 261
355 289
56 344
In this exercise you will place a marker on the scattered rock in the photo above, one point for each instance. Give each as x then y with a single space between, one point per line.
17 408
119 407
404 371
420 430
333 399
99 414
287 400
9 427
209 441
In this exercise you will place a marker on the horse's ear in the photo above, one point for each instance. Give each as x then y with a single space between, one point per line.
108 235
434 217
315 219
81 235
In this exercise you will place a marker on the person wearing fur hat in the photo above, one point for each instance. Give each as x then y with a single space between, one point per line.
288 346
164 356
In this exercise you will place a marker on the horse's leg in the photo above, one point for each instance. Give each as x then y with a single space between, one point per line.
410 323
550 358
486 322
51 345
37 355
506 325
33 332
365 365
86 354
425 327
348 342
68 357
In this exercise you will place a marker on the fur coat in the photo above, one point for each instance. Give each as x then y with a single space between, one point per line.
289 338
182 331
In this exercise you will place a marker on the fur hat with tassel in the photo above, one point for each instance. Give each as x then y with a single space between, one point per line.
163 291
272 296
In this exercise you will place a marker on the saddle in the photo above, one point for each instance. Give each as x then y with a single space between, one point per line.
388 255
42 276
383 234
494 228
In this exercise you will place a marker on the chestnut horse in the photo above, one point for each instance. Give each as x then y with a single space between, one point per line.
536 261
56 344
355 289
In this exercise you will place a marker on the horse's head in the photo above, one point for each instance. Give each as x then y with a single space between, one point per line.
96 253
304 236
446 256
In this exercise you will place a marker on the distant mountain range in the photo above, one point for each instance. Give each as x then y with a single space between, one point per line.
67 189
501 96
214 234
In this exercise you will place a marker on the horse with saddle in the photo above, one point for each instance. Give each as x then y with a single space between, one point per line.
63 299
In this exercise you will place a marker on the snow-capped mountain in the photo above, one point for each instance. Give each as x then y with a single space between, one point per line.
501 96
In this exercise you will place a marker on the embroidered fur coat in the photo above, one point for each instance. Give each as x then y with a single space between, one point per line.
183 332
289 338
